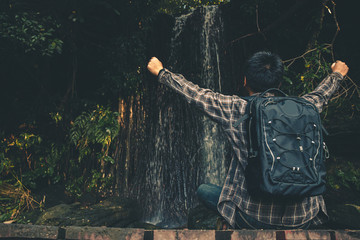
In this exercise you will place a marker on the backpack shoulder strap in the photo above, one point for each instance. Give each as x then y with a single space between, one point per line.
246 115
274 90
243 118
250 98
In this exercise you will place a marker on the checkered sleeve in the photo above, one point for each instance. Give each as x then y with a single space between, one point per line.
323 92
217 106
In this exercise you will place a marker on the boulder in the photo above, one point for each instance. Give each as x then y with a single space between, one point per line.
113 212
344 216
201 217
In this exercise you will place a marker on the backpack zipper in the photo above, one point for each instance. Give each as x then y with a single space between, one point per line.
273 157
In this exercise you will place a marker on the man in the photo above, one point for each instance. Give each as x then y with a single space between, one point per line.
262 71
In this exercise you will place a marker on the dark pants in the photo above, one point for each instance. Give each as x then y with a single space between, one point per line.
209 195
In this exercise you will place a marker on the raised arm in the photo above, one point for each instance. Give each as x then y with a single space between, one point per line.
323 92
215 105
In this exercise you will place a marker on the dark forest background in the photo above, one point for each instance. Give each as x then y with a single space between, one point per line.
74 80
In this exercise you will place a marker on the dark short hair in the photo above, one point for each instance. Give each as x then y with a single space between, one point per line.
263 70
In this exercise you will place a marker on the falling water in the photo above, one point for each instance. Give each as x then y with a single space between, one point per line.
214 142
189 149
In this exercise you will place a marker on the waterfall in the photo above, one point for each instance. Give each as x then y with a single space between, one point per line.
189 149
214 150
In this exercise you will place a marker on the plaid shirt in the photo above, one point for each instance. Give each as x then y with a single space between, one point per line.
226 110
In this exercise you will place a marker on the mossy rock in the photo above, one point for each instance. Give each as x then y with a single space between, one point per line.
113 212
201 217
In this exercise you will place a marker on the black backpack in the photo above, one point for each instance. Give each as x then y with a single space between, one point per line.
286 147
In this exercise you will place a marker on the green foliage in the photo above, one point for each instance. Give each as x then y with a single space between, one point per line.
56 117
346 176
75 187
15 198
300 79
25 162
5 163
17 150
27 155
50 160
304 73
38 162
98 183
32 32
98 127
92 133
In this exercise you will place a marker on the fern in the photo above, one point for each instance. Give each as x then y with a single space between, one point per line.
90 129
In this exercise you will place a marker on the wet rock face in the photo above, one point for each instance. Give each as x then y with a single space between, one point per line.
188 149
113 212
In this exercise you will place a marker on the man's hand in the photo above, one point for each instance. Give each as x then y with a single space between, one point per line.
154 66
340 67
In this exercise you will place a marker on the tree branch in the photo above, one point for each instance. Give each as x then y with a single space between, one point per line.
276 23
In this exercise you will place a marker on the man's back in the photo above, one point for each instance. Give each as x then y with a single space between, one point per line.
235 203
